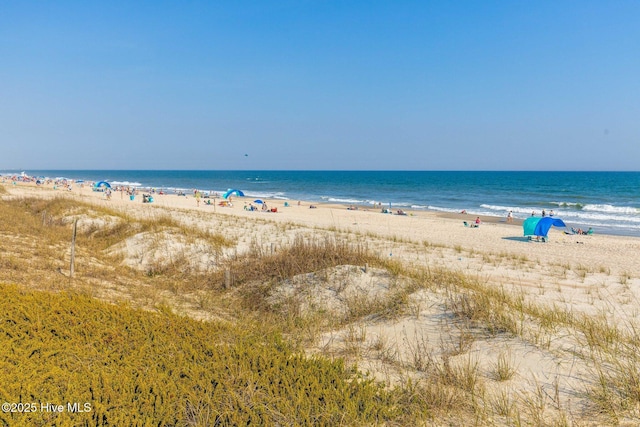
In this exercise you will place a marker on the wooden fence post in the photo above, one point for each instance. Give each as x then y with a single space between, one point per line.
227 279
73 248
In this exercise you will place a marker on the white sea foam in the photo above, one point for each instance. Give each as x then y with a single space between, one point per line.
517 210
567 204
266 195
628 210
603 215
339 200
125 183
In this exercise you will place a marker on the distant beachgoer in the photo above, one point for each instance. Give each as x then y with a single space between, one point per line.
477 221
463 211
510 216
533 213
551 212
544 213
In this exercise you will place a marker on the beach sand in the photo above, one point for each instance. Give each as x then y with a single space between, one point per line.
596 275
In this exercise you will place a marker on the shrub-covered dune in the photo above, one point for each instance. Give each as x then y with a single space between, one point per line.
133 367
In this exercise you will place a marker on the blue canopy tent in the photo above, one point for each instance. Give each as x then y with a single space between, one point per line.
537 226
230 192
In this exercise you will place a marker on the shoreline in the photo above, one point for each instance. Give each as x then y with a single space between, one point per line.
187 199
610 217
495 234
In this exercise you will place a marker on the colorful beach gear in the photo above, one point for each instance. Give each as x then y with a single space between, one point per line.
231 191
539 226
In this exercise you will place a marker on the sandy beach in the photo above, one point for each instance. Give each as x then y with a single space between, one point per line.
557 265
595 275
615 253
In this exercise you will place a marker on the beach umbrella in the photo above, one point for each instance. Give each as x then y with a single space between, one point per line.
258 201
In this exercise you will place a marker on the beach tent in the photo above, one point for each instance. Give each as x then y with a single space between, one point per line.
102 184
258 201
537 226
230 192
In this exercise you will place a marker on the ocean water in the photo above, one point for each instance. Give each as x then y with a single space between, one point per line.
607 201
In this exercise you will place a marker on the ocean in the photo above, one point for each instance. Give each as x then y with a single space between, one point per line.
607 201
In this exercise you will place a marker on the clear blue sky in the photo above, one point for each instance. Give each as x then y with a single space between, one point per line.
421 85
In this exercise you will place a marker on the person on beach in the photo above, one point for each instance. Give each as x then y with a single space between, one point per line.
478 221
510 217
544 213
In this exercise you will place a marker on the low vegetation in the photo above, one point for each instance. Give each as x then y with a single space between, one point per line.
171 342
139 368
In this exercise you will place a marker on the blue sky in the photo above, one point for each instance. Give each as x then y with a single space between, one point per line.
449 85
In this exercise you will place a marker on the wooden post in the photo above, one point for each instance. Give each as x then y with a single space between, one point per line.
44 218
73 248
227 279
272 247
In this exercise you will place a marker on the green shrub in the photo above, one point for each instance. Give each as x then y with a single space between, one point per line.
141 368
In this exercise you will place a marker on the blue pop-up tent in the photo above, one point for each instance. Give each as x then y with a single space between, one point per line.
537 226
231 191
102 184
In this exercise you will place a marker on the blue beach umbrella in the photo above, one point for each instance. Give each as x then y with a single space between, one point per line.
258 201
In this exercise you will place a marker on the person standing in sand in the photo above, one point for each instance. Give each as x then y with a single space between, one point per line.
510 217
